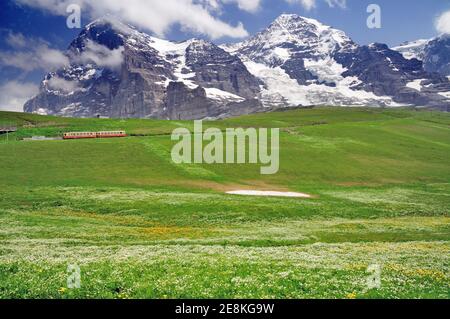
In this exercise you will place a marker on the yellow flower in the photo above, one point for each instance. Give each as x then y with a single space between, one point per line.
62 290
123 295
351 295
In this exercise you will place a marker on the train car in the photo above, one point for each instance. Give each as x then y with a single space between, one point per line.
111 134
79 135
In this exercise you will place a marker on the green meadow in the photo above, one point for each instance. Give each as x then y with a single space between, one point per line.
140 226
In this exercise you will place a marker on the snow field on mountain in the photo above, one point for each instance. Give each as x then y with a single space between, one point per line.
221 95
178 51
415 84
278 82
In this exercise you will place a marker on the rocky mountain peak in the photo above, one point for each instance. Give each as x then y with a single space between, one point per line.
295 23
201 45
108 22
105 31
292 27
117 71
293 36
434 53
436 56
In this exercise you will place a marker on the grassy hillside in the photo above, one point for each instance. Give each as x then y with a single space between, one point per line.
140 226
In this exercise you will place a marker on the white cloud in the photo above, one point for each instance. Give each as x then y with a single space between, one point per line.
59 84
156 15
100 55
442 22
13 95
310 4
337 3
211 5
246 5
307 4
16 40
31 54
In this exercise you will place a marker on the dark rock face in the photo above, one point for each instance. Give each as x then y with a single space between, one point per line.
295 68
189 104
314 54
138 94
102 33
380 70
214 67
116 71
437 55
434 53
143 77
63 93
386 72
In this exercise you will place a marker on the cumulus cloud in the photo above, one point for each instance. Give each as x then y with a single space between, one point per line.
251 6
442 23
158 16
14 94
310 4
59 84
246 5
16 40
307 4
337 3
30 54
100 55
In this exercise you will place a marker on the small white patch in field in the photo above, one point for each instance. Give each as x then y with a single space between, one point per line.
41 111
268 193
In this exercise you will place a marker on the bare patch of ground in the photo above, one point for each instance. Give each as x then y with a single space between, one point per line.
269 193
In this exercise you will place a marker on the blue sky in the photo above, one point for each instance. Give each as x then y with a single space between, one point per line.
42 24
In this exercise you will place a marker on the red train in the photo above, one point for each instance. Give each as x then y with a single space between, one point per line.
83 135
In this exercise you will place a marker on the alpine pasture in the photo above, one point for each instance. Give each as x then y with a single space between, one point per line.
140 226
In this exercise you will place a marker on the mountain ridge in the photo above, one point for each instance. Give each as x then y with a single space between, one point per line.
434 53
118 71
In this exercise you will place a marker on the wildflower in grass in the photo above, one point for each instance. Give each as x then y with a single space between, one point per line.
351 295
62 290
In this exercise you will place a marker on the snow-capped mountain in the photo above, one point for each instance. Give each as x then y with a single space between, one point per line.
117 71
437 55
412 49
290 36
295 58
434 53
303 62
